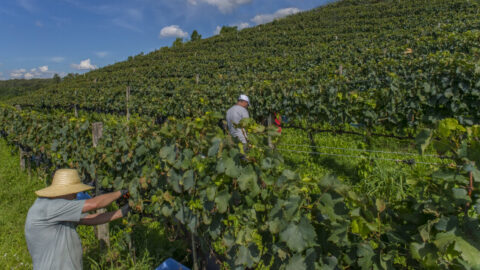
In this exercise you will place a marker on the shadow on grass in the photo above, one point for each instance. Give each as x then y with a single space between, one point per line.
340 169
150 246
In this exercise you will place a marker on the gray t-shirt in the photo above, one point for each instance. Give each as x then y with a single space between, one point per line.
50 230
234 115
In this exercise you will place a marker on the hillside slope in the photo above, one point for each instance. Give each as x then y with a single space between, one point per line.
398 63
20 87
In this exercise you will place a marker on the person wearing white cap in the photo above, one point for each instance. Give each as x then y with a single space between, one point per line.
236 113
50 228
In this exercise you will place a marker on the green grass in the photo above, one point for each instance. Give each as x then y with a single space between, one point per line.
151 247
16 193
151 242
366 172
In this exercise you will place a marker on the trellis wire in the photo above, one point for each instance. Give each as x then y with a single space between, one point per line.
410 162
363 150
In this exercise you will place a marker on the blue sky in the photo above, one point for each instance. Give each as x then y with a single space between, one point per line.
43 37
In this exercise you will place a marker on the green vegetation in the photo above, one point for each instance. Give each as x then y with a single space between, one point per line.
17 197
19 87
315 200
255 210
393 63
348 157
152 244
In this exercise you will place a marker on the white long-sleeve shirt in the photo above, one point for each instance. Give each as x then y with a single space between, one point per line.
234 115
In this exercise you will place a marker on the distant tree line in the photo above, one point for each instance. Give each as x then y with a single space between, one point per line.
18 87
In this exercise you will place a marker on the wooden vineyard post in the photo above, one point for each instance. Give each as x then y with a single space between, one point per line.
101 231
20 149
313 144
127 94
197 79
194 251
75 106
22 158
470 190
269 123
29 168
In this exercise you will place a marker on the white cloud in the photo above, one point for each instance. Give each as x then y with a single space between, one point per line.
225 6
242 25
40 72
57 59
239 26
18 73
84 65
265 18
101 54
173 31
217 30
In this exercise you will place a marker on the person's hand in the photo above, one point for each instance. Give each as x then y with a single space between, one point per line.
124 196
125 209
124 193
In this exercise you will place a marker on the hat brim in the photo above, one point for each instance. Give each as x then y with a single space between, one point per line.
60 190
245 101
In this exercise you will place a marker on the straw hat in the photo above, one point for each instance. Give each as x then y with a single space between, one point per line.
65 181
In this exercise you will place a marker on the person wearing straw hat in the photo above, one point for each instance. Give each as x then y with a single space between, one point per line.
50 227
236 113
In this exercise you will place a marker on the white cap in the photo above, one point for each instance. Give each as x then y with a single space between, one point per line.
244 98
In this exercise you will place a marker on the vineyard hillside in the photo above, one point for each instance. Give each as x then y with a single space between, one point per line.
395 63
375 164
19 87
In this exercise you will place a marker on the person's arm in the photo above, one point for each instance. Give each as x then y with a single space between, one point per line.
101 201
97 219
244 114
